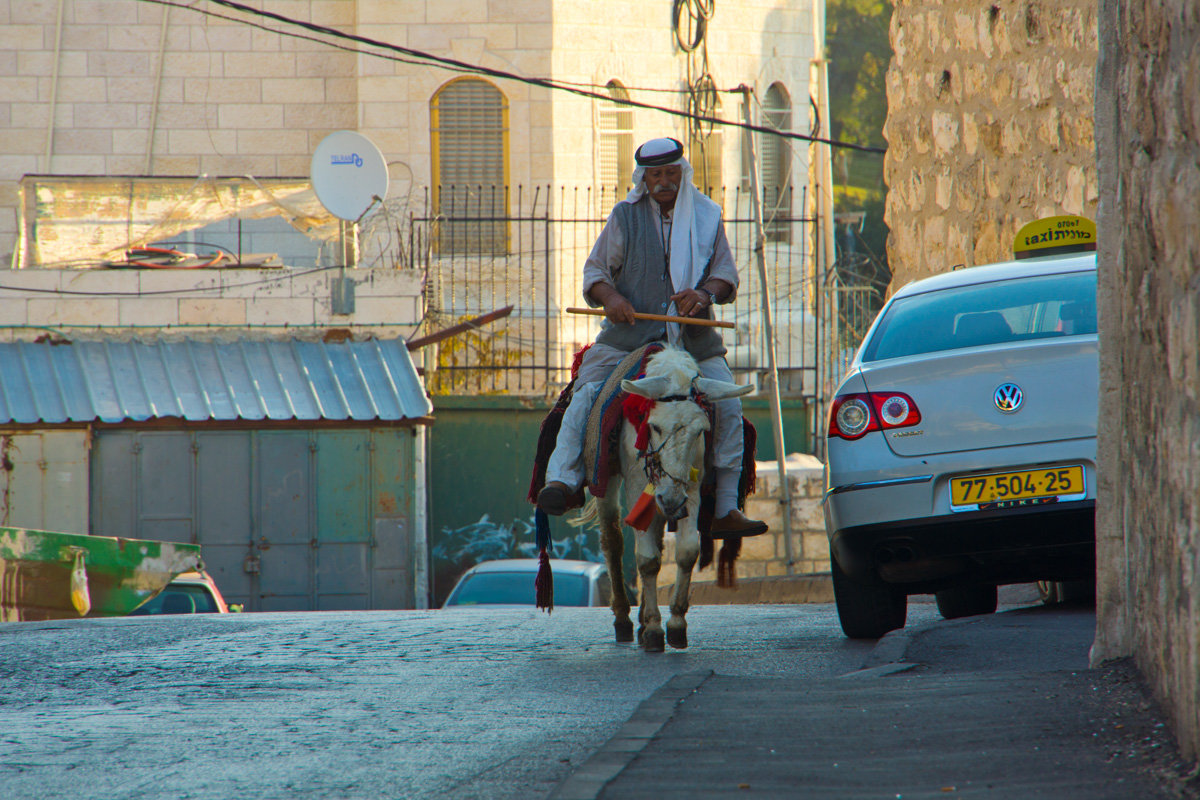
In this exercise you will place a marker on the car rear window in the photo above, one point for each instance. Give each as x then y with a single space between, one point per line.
516 588
1015 310
179 599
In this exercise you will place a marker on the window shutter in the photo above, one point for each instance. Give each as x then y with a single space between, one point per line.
616 142
470 138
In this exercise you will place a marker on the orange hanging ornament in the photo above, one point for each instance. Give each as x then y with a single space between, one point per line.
642 513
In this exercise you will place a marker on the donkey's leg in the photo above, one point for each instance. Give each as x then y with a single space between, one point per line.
649 561
612 542
687 550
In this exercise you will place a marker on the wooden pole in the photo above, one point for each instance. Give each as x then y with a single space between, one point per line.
454 330
760 239
708 323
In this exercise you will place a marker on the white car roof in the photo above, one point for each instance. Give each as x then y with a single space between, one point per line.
563 565
1007 270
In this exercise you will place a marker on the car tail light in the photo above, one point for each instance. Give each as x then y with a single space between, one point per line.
855 415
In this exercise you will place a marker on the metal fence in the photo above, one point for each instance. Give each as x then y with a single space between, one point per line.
485 248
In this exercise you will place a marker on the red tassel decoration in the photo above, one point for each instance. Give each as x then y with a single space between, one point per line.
543 584
642 513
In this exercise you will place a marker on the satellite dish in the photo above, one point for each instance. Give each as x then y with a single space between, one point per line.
348 174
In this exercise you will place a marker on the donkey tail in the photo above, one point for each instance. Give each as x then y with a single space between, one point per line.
589 515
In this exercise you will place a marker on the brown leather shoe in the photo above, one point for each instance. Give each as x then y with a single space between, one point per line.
732 525
555 498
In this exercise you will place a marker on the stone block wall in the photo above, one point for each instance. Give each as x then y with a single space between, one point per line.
134 88
120 94
765 556
989 126
1148 514
206 303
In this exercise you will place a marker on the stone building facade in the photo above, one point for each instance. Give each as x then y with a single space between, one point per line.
170 101
142 89
1148 515
989 127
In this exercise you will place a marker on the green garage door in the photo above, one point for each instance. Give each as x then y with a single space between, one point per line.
288 520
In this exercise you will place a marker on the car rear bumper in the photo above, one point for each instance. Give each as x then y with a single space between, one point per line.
1005 546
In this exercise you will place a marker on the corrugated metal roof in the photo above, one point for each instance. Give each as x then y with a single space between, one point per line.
115 381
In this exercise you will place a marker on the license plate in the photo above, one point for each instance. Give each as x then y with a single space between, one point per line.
1010 489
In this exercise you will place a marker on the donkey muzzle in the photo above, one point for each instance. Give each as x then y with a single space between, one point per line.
675 512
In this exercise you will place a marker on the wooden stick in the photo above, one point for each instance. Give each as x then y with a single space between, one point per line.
454 330
708 323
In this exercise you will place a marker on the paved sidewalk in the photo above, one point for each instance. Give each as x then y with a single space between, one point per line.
1000 706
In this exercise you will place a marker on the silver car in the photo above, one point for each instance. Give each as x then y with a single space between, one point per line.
962 443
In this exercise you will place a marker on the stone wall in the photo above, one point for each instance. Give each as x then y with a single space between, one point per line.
989 127
134 88
765 556
1148 515
206 302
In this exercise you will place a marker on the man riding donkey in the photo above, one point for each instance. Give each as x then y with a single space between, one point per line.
663 251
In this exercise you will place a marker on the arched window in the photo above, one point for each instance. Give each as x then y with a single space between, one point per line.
616 142
777 164
469 127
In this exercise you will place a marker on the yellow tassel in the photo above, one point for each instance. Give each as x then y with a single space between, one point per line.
79 585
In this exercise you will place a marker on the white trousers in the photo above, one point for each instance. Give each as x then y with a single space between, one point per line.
566 463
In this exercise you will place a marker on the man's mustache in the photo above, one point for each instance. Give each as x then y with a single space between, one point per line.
664 187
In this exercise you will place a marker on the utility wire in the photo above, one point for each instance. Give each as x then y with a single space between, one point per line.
429 59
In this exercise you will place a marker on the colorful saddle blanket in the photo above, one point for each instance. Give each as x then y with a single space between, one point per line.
602 439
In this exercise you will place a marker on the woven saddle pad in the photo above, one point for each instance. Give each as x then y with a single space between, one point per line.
605 417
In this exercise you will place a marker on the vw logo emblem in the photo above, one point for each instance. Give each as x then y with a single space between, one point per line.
1007 397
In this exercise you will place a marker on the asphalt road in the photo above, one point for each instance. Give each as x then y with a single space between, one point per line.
489 703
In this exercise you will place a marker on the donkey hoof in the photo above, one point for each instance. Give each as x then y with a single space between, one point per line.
653 642
624 630
677 638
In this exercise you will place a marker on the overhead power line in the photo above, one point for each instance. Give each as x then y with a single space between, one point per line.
423 58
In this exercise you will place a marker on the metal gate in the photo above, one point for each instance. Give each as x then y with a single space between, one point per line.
288 520
535 265
43 480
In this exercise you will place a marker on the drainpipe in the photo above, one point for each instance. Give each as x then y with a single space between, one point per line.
760 238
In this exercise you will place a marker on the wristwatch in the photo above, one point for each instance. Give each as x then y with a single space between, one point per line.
712 298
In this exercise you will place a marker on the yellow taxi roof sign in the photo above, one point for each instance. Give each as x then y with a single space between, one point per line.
1054 235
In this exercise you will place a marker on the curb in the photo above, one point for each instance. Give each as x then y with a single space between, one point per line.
639 730
778 589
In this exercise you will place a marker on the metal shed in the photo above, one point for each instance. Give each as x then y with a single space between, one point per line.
297 466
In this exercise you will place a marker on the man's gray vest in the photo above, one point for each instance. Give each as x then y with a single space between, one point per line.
646 283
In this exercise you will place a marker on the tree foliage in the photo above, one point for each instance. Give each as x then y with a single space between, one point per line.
859 54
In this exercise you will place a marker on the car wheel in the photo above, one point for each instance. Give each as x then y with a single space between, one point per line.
866 611
967 601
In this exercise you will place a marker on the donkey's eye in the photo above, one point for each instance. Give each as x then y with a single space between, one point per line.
656 430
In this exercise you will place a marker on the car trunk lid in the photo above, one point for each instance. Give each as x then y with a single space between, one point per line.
955 392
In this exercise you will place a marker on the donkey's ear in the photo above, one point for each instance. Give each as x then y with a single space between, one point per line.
650 388
720 390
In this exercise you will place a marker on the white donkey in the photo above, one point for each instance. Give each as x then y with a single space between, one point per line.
674 462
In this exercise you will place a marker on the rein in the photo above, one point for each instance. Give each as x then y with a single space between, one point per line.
651 463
